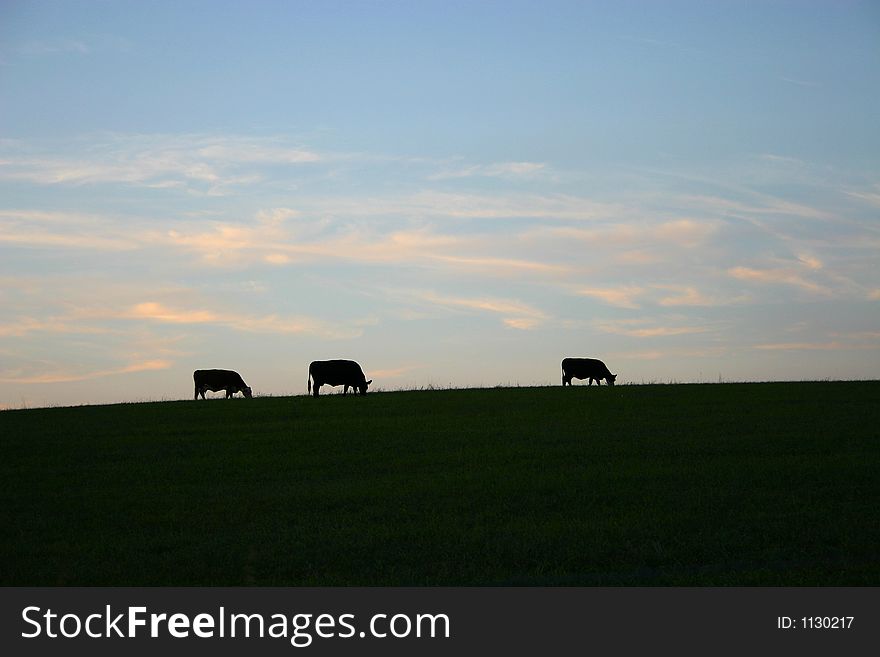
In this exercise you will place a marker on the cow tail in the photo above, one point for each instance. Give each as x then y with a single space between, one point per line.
310 384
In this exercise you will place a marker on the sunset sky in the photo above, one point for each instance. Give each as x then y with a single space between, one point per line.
450 193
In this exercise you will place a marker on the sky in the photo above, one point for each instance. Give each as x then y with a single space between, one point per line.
451 193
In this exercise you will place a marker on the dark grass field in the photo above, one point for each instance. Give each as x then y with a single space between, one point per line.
725 484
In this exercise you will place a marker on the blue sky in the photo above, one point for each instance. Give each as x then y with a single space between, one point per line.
450 193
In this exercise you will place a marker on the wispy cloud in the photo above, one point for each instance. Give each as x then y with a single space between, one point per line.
785 276
800 83
658 331
461 205
668 295
278 237
53 47
22 326
158 312
393 372
785 160
651 252
661 44
62 230
161 313
684 295
832 341
64 376
815 346
286 239
514 314
683 232
672 352
500 266
226 243
870 196
78 46
763 206
642 328
496 170
623 297
810 261
206 163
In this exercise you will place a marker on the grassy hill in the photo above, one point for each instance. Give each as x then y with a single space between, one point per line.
754 484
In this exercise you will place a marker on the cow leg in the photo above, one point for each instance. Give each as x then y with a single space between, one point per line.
315 388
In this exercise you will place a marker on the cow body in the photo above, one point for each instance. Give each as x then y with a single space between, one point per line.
337 373
215 380
586 368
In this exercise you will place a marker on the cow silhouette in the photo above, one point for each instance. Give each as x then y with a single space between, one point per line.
586 368
337 373
215 380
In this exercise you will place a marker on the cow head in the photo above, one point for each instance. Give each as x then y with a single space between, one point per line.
247 392
363 387
611 379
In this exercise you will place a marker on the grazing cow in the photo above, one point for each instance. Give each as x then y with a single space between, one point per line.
586 368
338 373
215 380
